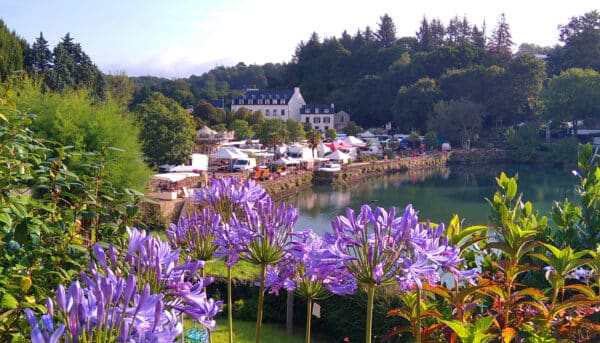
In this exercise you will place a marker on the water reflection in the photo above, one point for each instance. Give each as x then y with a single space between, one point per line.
437 193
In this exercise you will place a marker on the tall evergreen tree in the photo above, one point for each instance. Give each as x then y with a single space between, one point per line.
73 68
501 42
386 33
11 52
41 57
424 36
368 35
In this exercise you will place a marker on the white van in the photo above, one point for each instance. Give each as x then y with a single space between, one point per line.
244 164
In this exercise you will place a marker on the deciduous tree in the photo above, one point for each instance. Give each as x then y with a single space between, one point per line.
167 131
457 120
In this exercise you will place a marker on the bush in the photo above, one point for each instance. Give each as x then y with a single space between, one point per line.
522 143
563 151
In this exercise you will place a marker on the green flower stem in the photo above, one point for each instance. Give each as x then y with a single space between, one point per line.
261 298
229 305
370 298
308 318
418 323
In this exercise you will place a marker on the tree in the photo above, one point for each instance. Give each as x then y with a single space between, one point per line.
167 131
501 43
582 43
414 104
313 138
73 68
210 114
572 96
588 22
352 129
386 33
295 129
331 134
11 52
119 87
73 118
41 57
242 129
272 132
457 120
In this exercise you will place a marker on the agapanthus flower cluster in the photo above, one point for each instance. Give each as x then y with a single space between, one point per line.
106 308
226 195
270 228
137 296
156 264
195 234
379 248
299 270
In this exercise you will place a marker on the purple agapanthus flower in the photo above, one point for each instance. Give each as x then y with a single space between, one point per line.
377 247
271 228
195 234
137 296
227 195
300 271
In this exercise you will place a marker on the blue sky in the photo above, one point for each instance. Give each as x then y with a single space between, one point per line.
182 37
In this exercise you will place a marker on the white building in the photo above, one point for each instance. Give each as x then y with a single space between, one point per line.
274 104
323 117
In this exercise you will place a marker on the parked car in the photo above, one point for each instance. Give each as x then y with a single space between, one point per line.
331 167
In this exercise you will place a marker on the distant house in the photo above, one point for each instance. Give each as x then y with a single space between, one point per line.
274 104
323 117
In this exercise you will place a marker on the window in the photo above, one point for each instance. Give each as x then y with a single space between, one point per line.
307 120
316 110
317 120
326 120
275 102
316 128
326 127
249 102
326 110
282 112
241 101
274 112
267 113
260 102
267 101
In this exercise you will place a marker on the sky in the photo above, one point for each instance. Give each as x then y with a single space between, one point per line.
179 38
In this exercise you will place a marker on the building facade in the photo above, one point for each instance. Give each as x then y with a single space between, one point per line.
274 104
323 117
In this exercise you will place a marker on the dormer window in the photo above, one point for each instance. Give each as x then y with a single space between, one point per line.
267 101
326 110
275 102
249 102
316 110
260 101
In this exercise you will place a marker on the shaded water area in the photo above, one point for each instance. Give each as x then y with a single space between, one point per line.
436 193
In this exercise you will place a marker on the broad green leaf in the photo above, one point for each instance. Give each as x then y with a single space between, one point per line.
9 302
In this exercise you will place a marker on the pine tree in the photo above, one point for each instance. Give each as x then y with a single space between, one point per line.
41 57
424 36
501 41
386 34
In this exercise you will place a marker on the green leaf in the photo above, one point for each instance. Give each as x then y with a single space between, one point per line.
461 329
9 302
511 189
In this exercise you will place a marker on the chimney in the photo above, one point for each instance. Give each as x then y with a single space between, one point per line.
296 90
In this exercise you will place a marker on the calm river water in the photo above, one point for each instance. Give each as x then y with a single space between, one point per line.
437 194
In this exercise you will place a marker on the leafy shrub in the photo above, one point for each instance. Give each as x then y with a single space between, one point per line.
563 151
522 143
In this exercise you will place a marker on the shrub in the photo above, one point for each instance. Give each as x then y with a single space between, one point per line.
563 151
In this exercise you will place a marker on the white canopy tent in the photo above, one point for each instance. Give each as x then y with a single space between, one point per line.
354 141
286 161
338 156
229 153
173 177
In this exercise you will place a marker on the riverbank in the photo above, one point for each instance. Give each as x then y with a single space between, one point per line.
286 186
293 182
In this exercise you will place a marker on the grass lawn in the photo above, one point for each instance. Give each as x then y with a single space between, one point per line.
242 270
243 332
